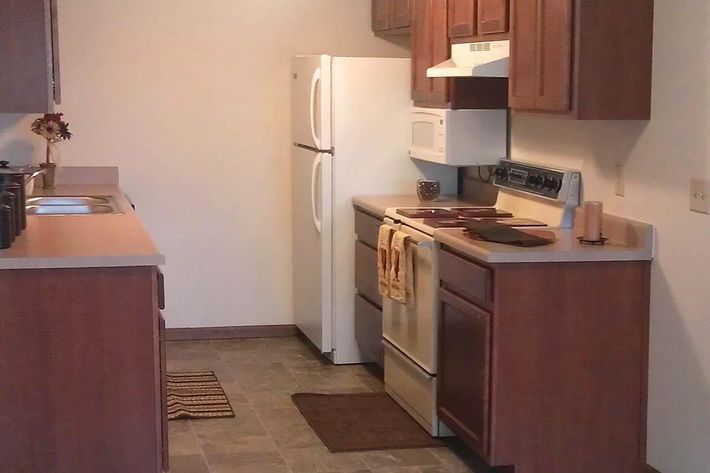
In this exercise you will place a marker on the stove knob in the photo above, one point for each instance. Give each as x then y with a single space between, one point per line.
536 181
501 173
553 184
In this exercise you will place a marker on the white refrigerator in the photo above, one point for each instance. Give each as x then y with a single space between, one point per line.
350 133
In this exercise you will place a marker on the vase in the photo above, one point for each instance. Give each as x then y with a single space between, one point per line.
428 190
50 174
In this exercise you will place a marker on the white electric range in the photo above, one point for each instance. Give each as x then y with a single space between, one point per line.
531 196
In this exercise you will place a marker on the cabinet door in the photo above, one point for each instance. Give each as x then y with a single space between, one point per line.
492 16
421 50
26 80
440 52
554 56
380 15
400 13
56 82
523 55
462 18
464 370
430 46
541 55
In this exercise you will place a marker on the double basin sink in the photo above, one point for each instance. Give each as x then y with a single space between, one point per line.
83 205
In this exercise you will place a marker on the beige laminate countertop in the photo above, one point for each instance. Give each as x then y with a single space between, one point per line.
83 241
378 204
565 249
629 240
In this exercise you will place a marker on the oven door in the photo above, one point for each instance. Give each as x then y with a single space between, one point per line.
413 330
428 135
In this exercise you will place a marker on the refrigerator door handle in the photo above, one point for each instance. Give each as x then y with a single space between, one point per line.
314 89
314 178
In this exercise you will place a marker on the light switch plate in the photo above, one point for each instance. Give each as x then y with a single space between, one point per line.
699 197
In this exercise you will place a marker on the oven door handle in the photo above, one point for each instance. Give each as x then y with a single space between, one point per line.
428 245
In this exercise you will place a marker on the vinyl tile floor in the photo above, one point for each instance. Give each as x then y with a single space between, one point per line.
268 434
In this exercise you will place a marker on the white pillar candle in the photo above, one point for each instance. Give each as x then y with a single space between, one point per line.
593 212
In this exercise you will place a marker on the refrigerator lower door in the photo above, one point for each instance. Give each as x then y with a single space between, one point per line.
312 175
311 101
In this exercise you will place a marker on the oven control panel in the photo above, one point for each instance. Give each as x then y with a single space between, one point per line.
556 184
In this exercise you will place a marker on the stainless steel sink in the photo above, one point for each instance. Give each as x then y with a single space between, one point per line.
72 205
67 200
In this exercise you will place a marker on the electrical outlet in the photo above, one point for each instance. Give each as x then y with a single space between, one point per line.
620 188
699 198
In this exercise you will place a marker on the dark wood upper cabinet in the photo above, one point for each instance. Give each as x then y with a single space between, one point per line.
391 17
421 51
492 17
400 14
473 21
380 15
585 60
440 51
431 45
29 61
462 18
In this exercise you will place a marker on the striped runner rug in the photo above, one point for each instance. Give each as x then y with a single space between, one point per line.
196 395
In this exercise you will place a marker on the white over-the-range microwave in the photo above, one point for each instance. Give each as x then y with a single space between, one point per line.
458 137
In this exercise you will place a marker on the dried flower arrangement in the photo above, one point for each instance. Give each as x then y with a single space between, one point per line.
52 128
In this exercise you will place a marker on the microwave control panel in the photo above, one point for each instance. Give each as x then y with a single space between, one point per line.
556 184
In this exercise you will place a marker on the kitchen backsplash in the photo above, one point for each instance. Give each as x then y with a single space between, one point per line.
472 185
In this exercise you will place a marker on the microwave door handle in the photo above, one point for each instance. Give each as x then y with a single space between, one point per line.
314 89
314 178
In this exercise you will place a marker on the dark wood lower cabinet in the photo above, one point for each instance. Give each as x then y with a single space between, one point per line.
80 363
463 381
163 389
368 302
368 330
551 375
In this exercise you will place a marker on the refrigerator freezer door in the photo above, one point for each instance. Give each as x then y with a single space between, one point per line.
311 101
312 246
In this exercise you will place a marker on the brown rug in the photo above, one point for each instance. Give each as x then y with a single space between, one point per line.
357 422
196 395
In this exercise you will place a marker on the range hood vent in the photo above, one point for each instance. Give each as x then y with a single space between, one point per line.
488 59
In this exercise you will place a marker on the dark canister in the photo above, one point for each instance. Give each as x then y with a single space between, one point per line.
7 232
17 175
9 195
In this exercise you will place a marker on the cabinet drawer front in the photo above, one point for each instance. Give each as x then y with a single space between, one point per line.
367 228
464 370
368 330
366 273
465 277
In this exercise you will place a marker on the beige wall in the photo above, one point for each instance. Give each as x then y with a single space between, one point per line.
660 157
191 99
